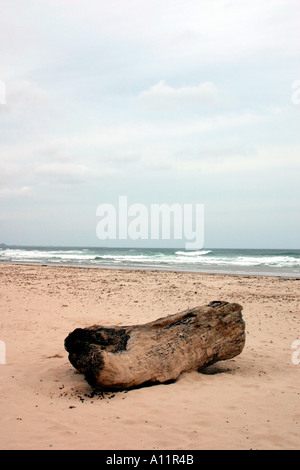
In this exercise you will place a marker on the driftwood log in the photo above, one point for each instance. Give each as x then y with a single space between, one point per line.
129 356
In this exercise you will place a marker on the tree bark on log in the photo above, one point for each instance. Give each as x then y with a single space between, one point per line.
123 357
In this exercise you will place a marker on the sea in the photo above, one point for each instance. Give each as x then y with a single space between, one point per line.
267 262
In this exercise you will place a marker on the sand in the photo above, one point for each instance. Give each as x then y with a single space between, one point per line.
249 402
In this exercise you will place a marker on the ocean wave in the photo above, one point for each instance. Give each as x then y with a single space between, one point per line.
193 253
272 261
131 258
49 255
279 261
222 260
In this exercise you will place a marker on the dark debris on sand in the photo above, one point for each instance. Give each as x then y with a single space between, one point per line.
91 397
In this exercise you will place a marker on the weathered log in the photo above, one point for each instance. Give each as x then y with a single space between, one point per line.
129 356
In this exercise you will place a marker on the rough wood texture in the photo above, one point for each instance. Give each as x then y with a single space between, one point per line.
157 352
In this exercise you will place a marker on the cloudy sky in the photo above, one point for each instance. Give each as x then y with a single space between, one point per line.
164 101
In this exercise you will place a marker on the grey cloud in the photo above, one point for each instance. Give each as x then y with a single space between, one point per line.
122 96
70 173
14 193
163 95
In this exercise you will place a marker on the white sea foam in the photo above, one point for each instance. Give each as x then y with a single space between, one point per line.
193 253
26 255
234 260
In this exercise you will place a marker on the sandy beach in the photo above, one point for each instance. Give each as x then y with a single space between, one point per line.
249 402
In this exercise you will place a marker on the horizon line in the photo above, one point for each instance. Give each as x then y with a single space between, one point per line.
141 247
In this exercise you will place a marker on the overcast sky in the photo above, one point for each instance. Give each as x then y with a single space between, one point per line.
164 101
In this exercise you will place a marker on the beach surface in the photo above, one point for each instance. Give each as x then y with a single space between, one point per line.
249 402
